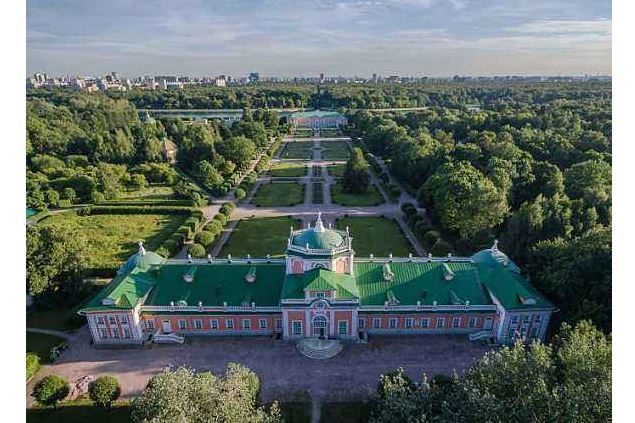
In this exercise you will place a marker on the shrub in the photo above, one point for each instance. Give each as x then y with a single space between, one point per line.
409 209
204 238
239 194
465 247
213 226
32 364
50 390
97 197
192 223
221 218
441 248
185 232
163 252
104 391
431 237
227 209
196 251
421 227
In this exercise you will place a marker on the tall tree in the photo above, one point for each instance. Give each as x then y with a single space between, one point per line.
356 177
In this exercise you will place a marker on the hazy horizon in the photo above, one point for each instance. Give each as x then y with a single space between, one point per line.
304 38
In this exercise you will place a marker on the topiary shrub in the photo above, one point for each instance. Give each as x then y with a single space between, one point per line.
196 251
97 197
50 390
431 237
227 209
213 226
163 252
32 364
239 194
104 390
204 238
441 248
221 218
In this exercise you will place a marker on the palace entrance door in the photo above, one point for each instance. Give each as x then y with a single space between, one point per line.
319 326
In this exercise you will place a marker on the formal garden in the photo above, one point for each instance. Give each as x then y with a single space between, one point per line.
288 170
279 194
335 150
271 237
372 197
336 170
298 150
379 236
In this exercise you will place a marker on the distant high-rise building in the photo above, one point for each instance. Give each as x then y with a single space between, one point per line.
322 78
254 77
374 80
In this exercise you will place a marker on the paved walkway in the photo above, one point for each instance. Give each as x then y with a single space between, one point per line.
354 373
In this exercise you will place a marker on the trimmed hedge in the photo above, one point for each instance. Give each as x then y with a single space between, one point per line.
221 218
143 209
196 251
32 364
204 238
227 209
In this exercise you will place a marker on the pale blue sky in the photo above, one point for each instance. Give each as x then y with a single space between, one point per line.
306 37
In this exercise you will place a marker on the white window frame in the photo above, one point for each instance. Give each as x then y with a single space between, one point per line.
262 323
409 323
127 333
150 324
393 323
182 324
198 324
440 322
112 320
279 325
361 323
100 320
456 322
339 327
472 322
123 319
115 332
296 324
103 333
213 324
229 324
246 324
514 320
377 322
425 322
320 295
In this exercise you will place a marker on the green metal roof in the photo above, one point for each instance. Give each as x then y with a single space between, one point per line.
316 114
323 240
419 281
320 279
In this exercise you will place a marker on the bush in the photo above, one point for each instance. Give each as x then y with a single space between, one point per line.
431 237
221 218
441 248
204 238
227 209
32 364
97 197
104 391
192 223
465 247
163 252
239 194
213 226
409 209
197 251
50 390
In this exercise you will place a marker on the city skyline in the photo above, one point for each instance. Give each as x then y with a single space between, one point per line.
302 38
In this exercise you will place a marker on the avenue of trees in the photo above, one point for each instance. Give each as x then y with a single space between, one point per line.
533 170
566 381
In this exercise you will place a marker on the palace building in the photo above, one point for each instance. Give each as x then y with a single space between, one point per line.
319 289
317 119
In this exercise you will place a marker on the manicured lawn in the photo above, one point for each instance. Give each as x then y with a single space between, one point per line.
41 345
80 411
279 194
376 235
371 198
259 237
345 412
298 150
288 170
158 192
334 150
337 170
113 238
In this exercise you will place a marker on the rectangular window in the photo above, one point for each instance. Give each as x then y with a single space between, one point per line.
538 318
534 332
126 333
111 320
182 324
198 324
456 322
361 323
115 332
123 319
296 327
377 322
472 322
100 320
525 319
409 321
319 295
103 333
342 327
425 322
512 332
246 324
213 323
392 323
514 320
440 322
279 325
262 323
229 324
150 324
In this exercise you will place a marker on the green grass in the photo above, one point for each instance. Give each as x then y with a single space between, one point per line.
114 238
337 170
158 192
259 237
292 170
335 154
371 198
41 345
279 194
345 412
376 235
80 411
298 150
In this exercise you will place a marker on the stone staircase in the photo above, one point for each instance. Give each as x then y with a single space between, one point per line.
319 349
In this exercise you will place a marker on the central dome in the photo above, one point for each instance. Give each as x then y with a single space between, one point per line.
318 237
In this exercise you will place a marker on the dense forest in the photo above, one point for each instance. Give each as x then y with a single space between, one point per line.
532 169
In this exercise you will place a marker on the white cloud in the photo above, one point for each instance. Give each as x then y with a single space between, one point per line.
600 26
